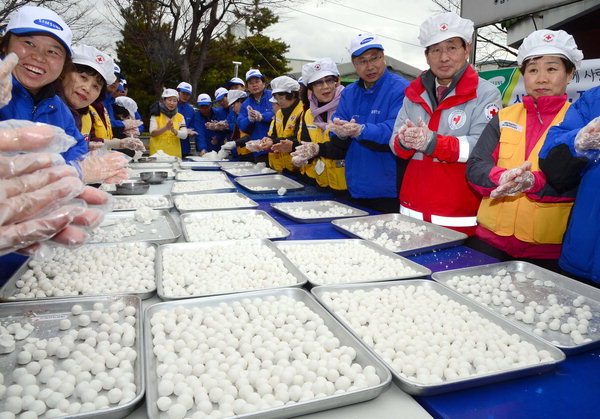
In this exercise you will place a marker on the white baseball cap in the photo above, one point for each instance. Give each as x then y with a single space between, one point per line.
363 42
233 95
29 19
444 26
547 42
253 72
319 69
220 93
128 103
283 84
204 99
170 93
96 59
235 80
184 87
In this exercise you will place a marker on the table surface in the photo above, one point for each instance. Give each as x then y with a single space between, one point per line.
569 391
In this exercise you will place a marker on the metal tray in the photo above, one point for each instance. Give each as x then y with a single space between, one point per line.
199 165
193 175
272 183
418 389
152 166
226 186
363 356
45 317
9 288
141 200
248 171
564 288
435 237
163 158
283 232
421 270
301 279
227 164
203 159
247 202
167 229
318 206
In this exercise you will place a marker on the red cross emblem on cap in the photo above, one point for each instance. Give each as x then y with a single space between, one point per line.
317 67
443 26
99 59
548 37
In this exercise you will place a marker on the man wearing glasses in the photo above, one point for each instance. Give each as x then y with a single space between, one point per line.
362 125
443 114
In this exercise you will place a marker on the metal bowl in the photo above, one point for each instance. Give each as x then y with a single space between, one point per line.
132 188
147 160
153 178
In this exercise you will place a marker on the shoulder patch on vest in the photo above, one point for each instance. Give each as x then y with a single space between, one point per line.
491 109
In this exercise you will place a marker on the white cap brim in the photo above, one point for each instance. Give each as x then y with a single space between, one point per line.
444 36
544 50
319 75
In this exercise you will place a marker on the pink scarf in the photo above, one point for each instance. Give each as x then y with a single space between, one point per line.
328 107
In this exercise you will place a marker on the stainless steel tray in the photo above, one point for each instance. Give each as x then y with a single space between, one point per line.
565 289
193 175
227 164
143 201
268 183
224 186
291 268
167 229
151 166
45 317
244 202
248 171
286 208
204 159
435 236
9 288
421 271
185 218
199 165
135 173
363 356
418 389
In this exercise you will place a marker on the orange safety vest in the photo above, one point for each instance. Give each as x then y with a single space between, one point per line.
167 141
333 172
280 161
528 220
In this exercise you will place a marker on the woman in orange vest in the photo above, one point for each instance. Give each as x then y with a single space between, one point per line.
521 216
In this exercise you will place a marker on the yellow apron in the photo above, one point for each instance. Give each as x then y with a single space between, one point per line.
167 141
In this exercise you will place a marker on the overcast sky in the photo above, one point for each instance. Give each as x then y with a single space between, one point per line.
321 28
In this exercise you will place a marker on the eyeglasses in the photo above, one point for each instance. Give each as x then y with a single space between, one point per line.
368 61
437 52
321 83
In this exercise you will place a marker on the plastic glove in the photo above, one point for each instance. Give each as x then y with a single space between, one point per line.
107 168
95 145
132 123
17 136
588 138
6 67
132 143
418 136
222 125
230 145
303 153
253 145
337 127
265 144
211 125
283 146
514 181
251 114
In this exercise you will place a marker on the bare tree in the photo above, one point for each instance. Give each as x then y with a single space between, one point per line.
491 39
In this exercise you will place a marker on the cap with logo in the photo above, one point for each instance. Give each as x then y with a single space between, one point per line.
29 19
235 80
283 84
170 93
253 72
96 59
363 42
444 26
233 95
547 42
204 99
317 70
220 93
184 87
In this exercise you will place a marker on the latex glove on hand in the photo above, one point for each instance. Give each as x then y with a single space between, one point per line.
283 146
132 143
7 65
417 137
253 146
303 153
588 138
229 145
514 181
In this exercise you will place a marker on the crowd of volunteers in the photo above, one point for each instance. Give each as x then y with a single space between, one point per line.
521 181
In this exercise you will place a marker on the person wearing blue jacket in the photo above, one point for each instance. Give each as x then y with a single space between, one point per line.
257 111
570 159
42 42
187 110
109 101
362 124
206 139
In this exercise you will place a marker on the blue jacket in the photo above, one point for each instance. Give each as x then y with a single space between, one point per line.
188 114
565 168
108 103
224 114
370 164
205 135
256 130
51 110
